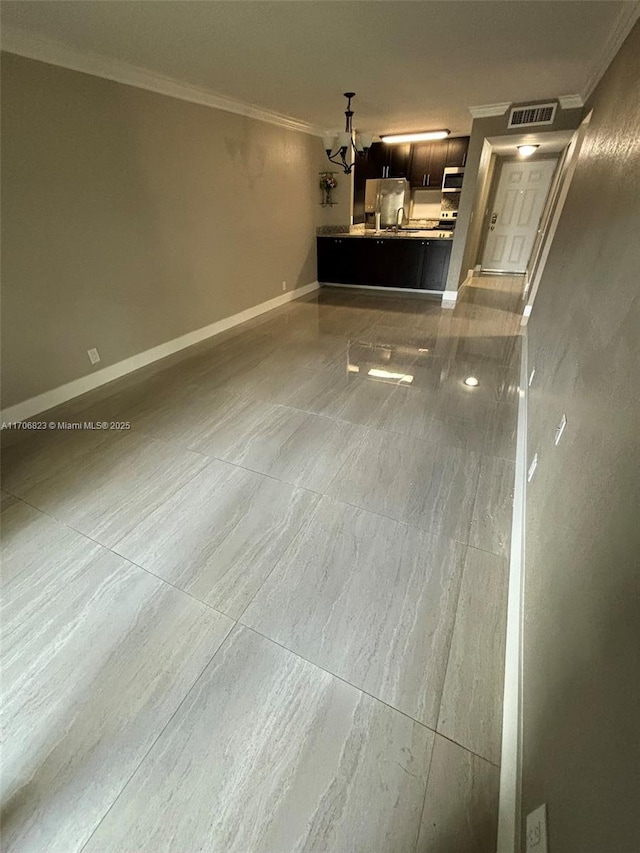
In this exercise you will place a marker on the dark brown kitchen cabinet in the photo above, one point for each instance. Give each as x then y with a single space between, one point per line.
435 265
400 262
420 164
384 161
427 164
375 263
338 259
399 157
374 163
457 151
391 262
429 160
406 262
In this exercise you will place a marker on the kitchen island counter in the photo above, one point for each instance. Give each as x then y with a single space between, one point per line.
404 261
402 234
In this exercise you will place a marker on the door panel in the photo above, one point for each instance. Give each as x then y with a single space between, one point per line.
520 198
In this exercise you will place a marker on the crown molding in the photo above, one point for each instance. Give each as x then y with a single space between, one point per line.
627 16
488 110
56 53
571 102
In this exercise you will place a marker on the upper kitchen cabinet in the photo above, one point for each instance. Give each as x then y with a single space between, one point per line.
457 151
384 161
374 163
429 160
427 164
398 160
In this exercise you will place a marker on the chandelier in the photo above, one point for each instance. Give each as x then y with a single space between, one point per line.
347 142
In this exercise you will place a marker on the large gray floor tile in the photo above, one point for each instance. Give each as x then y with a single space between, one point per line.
461 806
412 481
419 413
274 380
491 524
309 349
371 600
107 492
223 422
297 447
50 454
471 708
346 396
271 755
221 534
97 656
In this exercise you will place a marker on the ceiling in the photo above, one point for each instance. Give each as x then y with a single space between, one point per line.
415 65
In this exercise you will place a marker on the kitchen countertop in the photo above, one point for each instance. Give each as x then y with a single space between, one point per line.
426 234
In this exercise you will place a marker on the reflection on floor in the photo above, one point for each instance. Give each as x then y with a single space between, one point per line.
270 616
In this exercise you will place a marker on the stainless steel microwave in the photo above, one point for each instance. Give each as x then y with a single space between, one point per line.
452 179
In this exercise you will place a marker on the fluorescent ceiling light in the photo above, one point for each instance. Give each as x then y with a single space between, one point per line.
527 150
416 137
387 374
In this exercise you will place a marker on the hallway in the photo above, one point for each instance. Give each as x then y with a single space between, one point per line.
269 616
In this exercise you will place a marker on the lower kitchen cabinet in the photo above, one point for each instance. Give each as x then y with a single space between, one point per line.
384 262
435 265
338 259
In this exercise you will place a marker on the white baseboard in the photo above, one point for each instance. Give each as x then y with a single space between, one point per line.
526 314
449 298
413 290
63 393
511 757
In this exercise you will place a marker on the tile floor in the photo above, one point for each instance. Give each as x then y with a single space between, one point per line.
270 616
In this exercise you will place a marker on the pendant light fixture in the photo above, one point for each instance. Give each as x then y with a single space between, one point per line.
344 143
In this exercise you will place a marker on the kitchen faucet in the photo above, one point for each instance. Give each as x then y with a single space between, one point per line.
399 218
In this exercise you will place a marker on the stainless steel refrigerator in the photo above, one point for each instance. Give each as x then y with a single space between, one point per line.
387 196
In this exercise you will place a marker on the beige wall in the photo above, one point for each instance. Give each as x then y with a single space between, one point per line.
582 597
477 177
130 218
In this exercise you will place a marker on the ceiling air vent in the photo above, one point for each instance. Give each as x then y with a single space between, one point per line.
532 114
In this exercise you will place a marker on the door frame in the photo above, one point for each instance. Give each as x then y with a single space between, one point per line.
549 224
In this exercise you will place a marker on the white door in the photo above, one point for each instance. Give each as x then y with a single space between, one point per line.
513 224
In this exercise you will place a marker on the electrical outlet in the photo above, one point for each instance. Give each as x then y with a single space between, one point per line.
560 429
94 356
284 285
537 830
